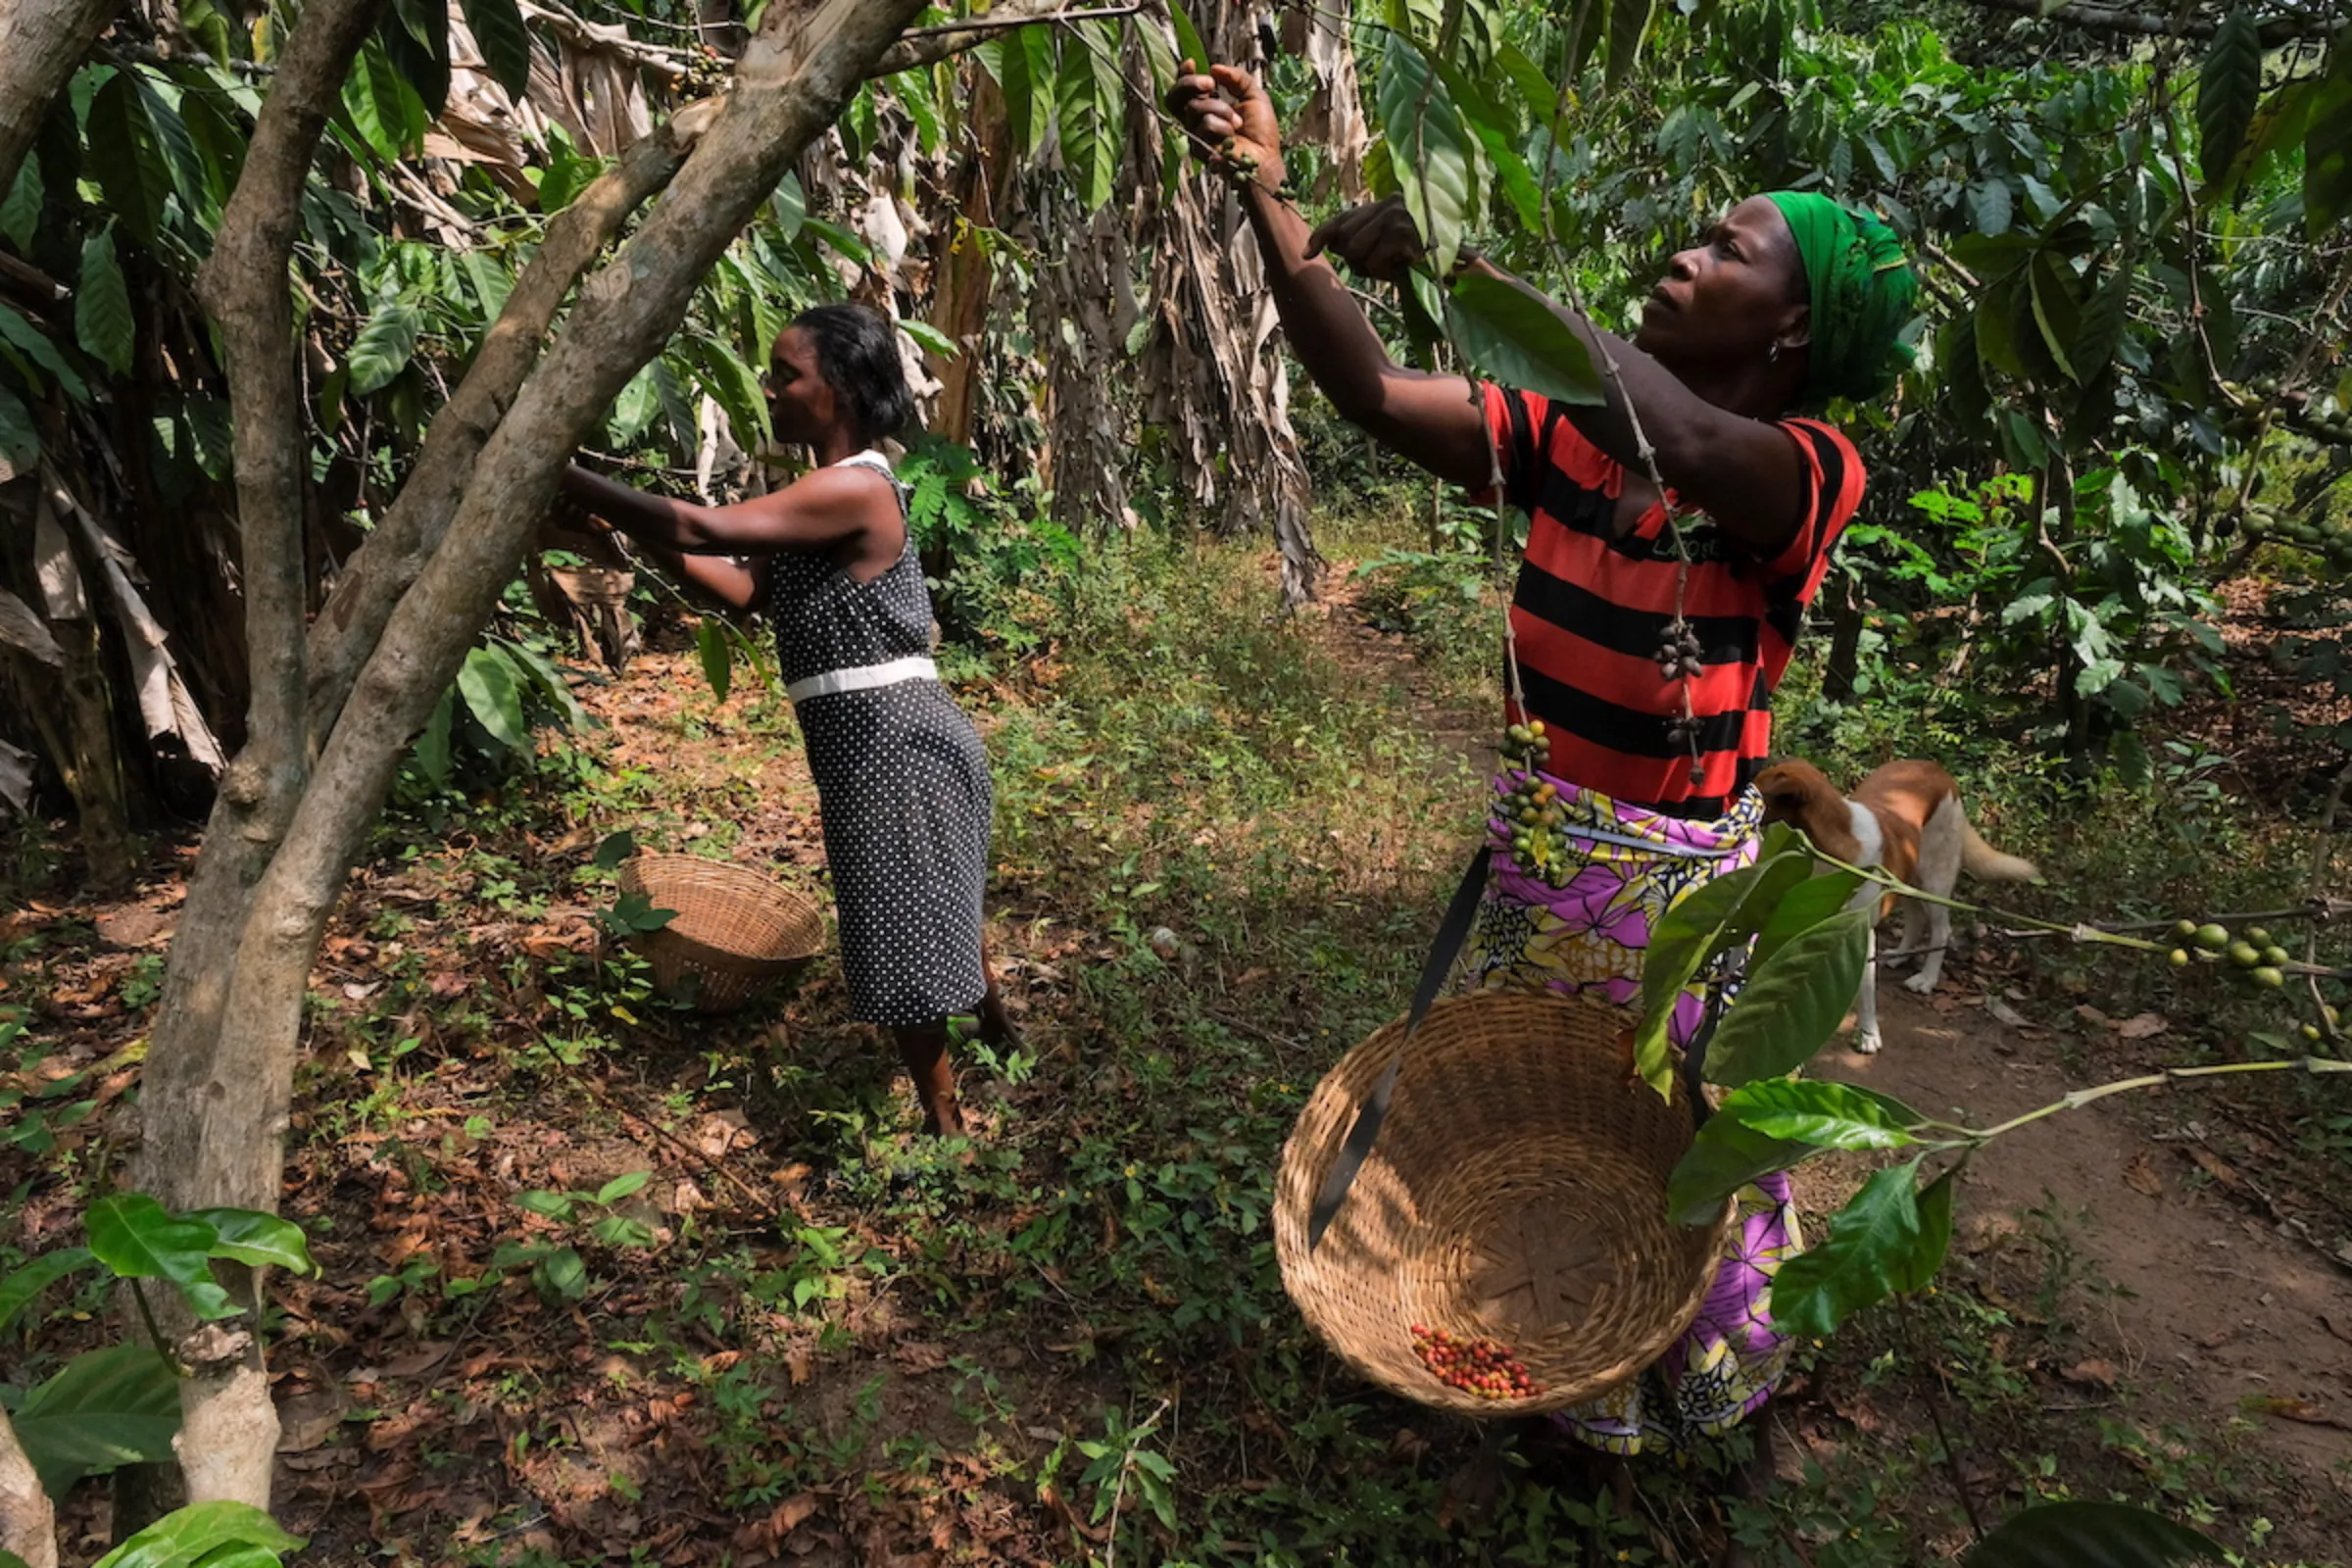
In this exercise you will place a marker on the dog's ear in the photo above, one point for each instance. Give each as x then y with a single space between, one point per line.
1785 791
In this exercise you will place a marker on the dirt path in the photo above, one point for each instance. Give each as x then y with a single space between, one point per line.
2213 1317
1383 658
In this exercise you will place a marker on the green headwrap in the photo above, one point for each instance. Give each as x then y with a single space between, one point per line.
1862 292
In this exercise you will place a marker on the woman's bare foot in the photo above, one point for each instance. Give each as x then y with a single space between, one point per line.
923 1048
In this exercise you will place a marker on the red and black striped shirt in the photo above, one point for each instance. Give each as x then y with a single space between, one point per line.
1591 608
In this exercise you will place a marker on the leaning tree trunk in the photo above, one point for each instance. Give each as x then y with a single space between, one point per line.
41 41
217 1137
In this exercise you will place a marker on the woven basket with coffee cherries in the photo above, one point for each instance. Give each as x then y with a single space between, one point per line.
736 934
1515 1200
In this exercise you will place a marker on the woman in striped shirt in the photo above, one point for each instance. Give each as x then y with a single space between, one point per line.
1647 631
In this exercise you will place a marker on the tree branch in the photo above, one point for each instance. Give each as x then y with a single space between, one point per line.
381 570
607 39
2283 28
34 288
243 287
41 42
927 46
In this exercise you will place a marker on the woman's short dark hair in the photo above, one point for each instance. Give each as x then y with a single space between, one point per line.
858 353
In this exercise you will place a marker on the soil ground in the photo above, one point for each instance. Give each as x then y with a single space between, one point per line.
2142 1297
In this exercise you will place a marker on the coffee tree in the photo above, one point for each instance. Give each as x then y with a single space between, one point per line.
2133 256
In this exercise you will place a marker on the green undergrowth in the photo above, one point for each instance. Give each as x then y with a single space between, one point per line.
1222 845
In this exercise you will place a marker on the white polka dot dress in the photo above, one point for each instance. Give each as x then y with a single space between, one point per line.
901 784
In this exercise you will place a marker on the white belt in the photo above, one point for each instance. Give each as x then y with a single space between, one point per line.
862 677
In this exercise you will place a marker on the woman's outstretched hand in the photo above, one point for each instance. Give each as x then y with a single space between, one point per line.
568 512
1230 121
1378 239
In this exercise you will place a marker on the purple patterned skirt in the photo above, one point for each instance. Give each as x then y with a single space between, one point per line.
1579 922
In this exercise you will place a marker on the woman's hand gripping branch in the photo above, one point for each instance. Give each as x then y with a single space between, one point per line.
1431 419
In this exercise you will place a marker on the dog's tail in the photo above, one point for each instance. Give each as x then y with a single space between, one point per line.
1986 864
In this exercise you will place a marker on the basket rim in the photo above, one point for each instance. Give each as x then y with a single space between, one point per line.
637 873
1292 1253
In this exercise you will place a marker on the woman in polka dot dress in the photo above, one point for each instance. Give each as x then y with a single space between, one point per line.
901 778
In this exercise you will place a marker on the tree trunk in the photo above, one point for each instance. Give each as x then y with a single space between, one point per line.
27 1522
26 1519
41 41
1215 379
1081 293
1843 662
89 758
217 1139
241 835
229 1425
966 280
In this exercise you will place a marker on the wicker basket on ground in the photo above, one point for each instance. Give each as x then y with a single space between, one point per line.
736 934
1517 1192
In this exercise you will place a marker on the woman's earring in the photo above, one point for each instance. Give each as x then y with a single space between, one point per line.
1772 355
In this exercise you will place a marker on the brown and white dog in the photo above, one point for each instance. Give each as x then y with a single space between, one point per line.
1906 818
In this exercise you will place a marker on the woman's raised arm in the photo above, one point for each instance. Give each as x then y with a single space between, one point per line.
820 511
1434 420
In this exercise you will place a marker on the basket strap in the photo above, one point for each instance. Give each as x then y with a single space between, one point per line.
1460 915
1695 1065
1695 1053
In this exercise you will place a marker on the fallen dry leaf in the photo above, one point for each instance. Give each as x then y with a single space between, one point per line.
2143 1026
1050 1495
2140 1174
2005 1014
764 1536
2218 1168
917 1356
133 927
418 1361
307 1420
2095 1374
2290 1409
2341 1328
